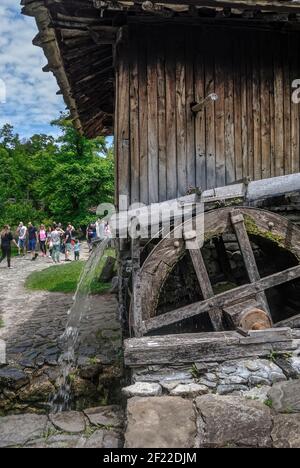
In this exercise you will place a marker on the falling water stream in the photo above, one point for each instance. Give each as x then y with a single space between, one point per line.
70 339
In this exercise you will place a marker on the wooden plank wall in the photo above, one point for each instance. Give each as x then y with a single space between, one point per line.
251 130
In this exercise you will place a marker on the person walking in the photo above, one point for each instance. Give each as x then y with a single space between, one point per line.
55 240
6 240
42 240
77 247
90 236
32 240
22 232
49 241
68 242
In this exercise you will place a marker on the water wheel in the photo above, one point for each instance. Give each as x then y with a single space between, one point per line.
244 306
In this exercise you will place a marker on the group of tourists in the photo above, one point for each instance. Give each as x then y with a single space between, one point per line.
52 241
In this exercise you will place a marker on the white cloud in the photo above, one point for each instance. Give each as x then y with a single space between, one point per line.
31 100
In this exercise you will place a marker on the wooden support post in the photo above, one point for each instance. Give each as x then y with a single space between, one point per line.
203 278
237 220
136 288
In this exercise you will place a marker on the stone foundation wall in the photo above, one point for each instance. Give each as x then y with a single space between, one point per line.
215 421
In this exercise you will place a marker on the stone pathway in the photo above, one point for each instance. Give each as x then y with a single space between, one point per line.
33 324
93 428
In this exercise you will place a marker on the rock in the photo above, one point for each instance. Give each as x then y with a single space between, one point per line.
255 380
287 367
168 386
105 416
233 420
234 380
82 388
286 431
142 389
285 396
226 389
40 389
71 421
257 393
227 369
207 383
17 430
112 440
211 377
252 366
164 422
295 363
12 377
95 440
189 390
65 441
277 377
91 370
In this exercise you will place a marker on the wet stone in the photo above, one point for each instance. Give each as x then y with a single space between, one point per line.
71 421
12 377
17 430
105 416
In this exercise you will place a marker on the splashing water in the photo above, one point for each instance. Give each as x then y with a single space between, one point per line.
70 339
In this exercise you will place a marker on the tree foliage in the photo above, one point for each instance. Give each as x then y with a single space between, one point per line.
46 179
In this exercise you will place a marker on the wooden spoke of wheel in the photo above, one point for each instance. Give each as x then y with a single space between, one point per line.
238 223
203 278
221 300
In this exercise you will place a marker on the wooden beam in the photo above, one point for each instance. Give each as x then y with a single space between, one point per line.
206 347
220 300
238 223
193 247
136 287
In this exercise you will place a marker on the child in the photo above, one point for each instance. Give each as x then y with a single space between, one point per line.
77 249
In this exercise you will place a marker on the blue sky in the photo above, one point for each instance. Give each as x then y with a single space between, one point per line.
31 100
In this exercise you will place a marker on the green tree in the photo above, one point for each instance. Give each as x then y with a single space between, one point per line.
60 179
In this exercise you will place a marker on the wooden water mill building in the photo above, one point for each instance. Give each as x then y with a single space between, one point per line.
198 95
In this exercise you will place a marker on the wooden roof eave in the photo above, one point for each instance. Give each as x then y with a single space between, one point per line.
46 38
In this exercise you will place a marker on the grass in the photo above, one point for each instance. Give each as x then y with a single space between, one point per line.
64 278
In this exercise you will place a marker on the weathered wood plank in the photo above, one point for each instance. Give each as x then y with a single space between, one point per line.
210 109
190 118
205 347
134 120
161 109
229 116
181 117
278 108
171 118
201 179
123 137
265 72
237 220
203 278
220 114
256 112
143 121
152 121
